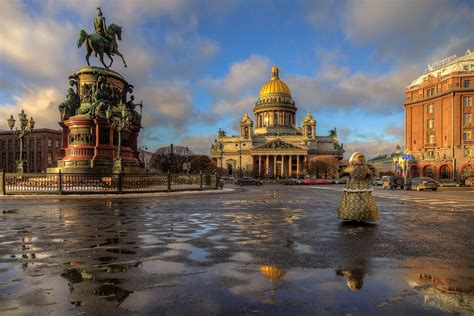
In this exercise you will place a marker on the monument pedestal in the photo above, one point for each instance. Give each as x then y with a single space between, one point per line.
90 143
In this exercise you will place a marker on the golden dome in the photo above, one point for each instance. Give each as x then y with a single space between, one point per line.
275 85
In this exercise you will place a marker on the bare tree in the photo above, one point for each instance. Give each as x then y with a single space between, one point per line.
171 158
323 167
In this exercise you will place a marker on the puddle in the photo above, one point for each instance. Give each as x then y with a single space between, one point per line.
306 249
197 254
242 256
162 267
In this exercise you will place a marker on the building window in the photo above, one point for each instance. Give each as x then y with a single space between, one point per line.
431 123
430 108
466 136
467 103
428 171
56 143
467 152
50 143
467 84
467 118
431 139
50 158
430 92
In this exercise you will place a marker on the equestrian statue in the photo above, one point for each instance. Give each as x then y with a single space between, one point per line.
103 40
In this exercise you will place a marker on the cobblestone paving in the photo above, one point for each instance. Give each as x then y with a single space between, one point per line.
267 250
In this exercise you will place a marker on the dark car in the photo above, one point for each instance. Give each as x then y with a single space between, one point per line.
248 180
422 183
292 181
393 182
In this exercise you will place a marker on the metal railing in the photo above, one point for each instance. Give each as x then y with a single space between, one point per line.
70 183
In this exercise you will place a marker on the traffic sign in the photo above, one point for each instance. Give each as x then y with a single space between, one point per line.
407 157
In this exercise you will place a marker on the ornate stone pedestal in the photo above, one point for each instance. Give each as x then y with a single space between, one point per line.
90 143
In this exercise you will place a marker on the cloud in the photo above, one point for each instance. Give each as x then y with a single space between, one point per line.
39 103
237 91
409 30
395 130
166 104
336 87
371 148
200 145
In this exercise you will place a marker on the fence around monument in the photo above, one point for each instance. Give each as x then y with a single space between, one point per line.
70 183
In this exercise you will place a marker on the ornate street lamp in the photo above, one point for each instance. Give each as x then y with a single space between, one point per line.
119 123
26 128
240 157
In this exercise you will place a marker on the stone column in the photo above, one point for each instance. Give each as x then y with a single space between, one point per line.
289 165
297 166
274 166
267 165
259 165
282 165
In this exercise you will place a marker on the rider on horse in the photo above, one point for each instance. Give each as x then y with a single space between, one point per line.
100 27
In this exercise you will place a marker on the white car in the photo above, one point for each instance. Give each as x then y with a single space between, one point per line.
377 182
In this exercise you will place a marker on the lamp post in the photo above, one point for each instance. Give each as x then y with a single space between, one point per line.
240 157
26 128
119 122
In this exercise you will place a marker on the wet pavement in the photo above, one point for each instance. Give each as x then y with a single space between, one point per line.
267 250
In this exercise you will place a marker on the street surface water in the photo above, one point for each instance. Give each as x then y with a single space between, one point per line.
260 250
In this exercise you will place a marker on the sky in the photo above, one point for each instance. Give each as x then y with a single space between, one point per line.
198 65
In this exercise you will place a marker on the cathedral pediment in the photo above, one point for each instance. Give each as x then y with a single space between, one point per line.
279 144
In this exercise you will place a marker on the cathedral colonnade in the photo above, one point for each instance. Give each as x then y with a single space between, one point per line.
279 165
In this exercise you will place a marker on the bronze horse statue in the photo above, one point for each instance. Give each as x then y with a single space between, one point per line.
100 45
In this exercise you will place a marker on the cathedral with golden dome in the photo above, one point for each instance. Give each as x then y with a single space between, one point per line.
272 145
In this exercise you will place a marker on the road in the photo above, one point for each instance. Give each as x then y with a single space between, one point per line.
259 250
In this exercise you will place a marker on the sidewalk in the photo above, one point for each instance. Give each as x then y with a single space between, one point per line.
112 196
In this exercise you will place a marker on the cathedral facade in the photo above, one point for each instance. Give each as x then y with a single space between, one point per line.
272 145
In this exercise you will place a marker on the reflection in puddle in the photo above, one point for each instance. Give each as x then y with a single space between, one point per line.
197 254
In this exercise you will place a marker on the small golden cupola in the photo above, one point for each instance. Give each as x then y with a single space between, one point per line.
275 110
309 126
246 126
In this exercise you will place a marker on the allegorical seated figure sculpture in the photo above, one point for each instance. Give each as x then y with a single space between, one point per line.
68 107
357 203
136 117
101 101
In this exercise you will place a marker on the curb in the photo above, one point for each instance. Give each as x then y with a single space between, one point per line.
112 196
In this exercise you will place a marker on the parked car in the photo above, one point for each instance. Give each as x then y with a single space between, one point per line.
448 183
377 182
227 179
248 180
292 181
317 181
393 182
422 183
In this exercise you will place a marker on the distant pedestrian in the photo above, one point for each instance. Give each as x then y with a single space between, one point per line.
357 203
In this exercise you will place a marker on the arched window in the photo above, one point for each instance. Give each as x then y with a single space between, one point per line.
309 131
428 171
246 132
275 118
444 172
229 169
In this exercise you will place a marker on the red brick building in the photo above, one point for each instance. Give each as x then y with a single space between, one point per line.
439 123
41 150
